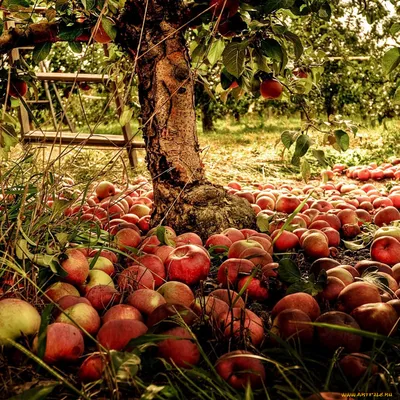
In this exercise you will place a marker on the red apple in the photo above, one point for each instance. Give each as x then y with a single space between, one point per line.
386 215
188 238
386 249
293 324
240 368
315 245
92 368
75 264
376 317
169 314
176 293
155 265
103 296
244 324
58 290
287 203
356 365
127 238
83 316
229 296
255 288
218 240
105 189
331 339
181 350
332 289
122 311
284 241
117 333
145 300
136 277
188 264
103 264
302 301
357 294
64 343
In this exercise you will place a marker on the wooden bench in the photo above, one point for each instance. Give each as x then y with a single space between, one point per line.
69 138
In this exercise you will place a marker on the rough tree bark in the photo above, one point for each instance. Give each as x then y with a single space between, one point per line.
184 199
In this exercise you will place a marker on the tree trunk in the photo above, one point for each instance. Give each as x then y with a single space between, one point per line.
183 197
207 120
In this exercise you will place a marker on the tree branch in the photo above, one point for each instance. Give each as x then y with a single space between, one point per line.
32 35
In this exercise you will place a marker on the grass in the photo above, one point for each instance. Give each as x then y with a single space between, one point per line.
246 151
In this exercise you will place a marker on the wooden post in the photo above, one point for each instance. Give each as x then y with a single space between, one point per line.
126 129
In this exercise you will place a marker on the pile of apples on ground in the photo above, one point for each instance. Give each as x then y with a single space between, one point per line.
116 298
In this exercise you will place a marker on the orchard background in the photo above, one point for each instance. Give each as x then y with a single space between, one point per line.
254 252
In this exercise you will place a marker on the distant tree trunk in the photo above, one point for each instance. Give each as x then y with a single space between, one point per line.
207 119
183 198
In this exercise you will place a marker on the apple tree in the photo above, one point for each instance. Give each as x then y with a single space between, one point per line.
251 38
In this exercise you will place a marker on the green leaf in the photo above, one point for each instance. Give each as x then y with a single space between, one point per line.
305 287
199 52
89 4
320 157
70 33
1 26
342 139
356 245
325 11
303 143
76 47
395 28
298 46
22 3
151 392
42 335
41 51
126 116
288 138
233 58
288 271
126 365
162 236
215 52
263 222
305 170
272 49
273 5
61 5
37 393
109 27
396 98
391 60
